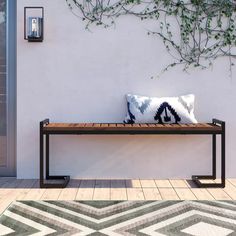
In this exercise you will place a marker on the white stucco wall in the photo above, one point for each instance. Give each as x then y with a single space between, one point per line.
81 76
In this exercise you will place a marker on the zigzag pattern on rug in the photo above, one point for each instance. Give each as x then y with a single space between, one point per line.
115 218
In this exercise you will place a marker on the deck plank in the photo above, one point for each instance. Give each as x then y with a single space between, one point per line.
70 192
185 194
202 194
113 189
86 189
84 194
168 194
35 192
102 190
163 183
178 183
119 194
51 194
133 183
232 181
135 194
219 194
230 189
147 183
118 183
151 194
118 190
24 187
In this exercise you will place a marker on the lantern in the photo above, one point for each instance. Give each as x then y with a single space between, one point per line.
33 24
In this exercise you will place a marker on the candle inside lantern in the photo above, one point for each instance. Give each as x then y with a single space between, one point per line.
34 27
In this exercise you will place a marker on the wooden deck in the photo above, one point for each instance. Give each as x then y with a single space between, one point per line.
90 189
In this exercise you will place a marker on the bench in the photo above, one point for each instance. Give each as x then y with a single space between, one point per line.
217 127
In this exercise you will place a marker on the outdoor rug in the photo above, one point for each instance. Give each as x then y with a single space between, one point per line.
113 218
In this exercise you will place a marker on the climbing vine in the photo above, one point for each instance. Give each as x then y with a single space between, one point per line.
194 32
3 7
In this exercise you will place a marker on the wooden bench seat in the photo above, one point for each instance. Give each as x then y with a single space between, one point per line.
217 127
127 128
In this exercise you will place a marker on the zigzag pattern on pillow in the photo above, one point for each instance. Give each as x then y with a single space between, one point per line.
142 109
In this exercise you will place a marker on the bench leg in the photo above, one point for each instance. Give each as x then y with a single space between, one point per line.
196 178
43 149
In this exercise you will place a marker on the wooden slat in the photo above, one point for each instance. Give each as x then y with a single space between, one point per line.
143 125
183 125
89 125
188 125
97 125
136 125
80 125
206 125
170 126
120 125
73 125
151 125
104 125
160 126
199 125
112 125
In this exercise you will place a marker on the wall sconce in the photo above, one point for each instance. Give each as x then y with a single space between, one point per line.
33 24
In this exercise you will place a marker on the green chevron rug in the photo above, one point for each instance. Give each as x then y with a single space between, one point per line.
114 218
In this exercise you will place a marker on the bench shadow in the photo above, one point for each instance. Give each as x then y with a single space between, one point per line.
13 183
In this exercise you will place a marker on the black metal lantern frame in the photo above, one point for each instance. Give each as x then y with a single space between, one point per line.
34 26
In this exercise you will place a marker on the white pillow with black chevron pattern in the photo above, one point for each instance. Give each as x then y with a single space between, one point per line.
161 110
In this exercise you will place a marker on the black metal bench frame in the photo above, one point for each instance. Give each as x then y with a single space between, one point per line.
44 150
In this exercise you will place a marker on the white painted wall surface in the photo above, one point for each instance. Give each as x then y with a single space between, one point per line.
81 76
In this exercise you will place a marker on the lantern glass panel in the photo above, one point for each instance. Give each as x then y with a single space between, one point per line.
34 27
